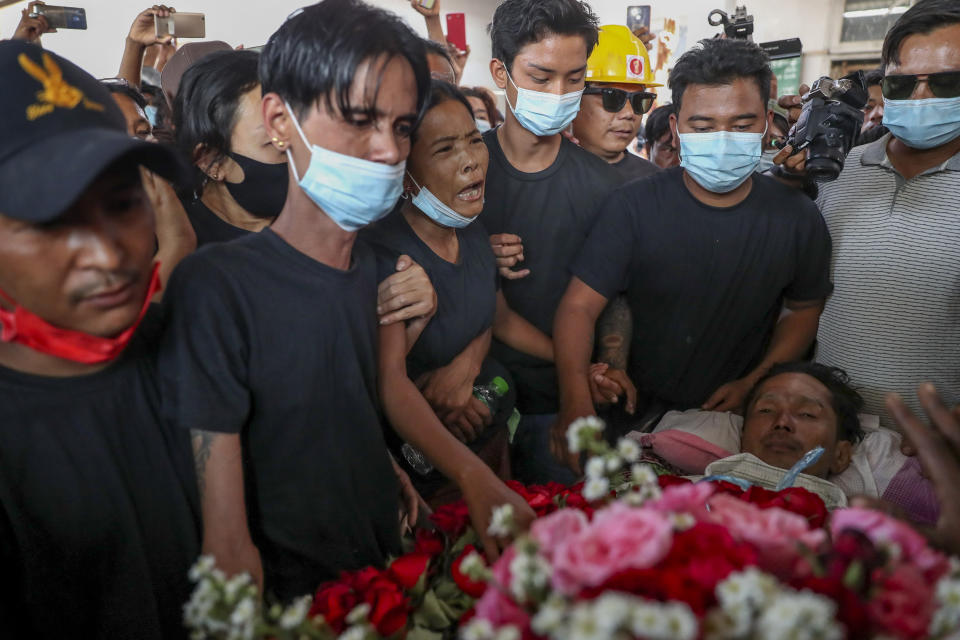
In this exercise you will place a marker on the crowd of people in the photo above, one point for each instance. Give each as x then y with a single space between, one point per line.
273 305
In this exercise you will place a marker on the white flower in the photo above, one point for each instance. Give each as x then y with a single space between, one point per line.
528 573
501 524
628 449
477 629
596 488
595 468
614 462
296 613
203 566
507 632
581 427
235 585
244 612
643 474
682 521
584 625
647 621
947 616
750 588
359 614
613 609
681 621
473 566
359 632
550 616
799 616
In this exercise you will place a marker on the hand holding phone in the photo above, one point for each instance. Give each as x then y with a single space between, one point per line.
143 30
638 16
60 17
426 8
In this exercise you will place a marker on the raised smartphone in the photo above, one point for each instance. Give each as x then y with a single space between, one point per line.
182 25
457 30
427 4
638 16
61 17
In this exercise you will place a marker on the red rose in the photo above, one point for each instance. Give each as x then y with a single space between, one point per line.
470 587
794 499
361 580
334 601
389 606
540 498
407 570
902 602
669 481
430 542
452 518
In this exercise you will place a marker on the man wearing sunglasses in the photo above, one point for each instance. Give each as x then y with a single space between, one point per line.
615 99
894 320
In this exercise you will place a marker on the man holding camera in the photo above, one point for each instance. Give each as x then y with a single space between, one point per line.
707 254
894 320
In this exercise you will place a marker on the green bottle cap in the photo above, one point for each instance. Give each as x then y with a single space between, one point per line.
500 386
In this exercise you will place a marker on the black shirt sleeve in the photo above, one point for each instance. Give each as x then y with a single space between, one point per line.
604 259
814 249
203 356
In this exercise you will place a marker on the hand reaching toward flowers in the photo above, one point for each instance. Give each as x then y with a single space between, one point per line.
484 494
938 447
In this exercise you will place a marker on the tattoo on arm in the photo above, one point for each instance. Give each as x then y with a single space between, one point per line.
615 330
202 442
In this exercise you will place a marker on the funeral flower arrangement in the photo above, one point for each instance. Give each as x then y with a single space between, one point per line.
626 554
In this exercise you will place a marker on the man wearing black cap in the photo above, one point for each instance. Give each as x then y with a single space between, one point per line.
98 513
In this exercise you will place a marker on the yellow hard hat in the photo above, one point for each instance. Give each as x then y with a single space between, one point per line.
620 57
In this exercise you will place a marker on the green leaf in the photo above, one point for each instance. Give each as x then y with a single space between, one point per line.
432 614
853 578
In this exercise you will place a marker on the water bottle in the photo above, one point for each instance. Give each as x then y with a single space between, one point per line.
415 458
490 394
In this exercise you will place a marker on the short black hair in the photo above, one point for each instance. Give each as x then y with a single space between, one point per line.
658 123
130 91
846 402
205 108
437 49
315 54
874 77
517 23
920 19
440 92
716 62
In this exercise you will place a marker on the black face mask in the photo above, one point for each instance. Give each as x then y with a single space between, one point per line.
264 188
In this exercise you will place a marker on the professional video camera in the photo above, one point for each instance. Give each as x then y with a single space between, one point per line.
739 27
829 123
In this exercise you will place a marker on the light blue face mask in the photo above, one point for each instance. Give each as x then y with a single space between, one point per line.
721 161
766 161
483 126
545 114
354 192
151 113
436 210
923 124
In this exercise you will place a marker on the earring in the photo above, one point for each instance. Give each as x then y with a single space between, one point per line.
281 144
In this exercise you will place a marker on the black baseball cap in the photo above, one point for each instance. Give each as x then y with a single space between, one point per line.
59 130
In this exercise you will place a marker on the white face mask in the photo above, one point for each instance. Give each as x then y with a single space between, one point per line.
721 161
545 114
483 126
436 209
353 192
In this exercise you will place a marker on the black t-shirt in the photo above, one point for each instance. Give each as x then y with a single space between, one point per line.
99 519
466 291
266 342
208 226
705 285
552 211
632 167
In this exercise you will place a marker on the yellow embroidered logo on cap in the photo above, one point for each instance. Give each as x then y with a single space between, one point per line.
56 92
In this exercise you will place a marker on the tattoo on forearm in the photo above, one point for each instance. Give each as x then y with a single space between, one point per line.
615 329
202 442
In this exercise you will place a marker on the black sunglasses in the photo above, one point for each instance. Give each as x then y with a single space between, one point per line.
945 84
614 99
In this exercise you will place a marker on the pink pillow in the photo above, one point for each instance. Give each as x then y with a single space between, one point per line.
689 453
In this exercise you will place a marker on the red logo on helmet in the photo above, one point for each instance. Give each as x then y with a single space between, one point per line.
636 66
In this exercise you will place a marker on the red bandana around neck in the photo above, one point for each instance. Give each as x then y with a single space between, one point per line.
24 327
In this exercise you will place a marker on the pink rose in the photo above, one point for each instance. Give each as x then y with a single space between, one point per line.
619 538
881 528
684 498
774 532
495 606
902 603
557 527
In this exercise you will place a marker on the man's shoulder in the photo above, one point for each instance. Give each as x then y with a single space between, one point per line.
583 160
788 200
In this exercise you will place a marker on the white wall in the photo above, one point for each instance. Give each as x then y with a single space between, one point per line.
247 22
250 22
